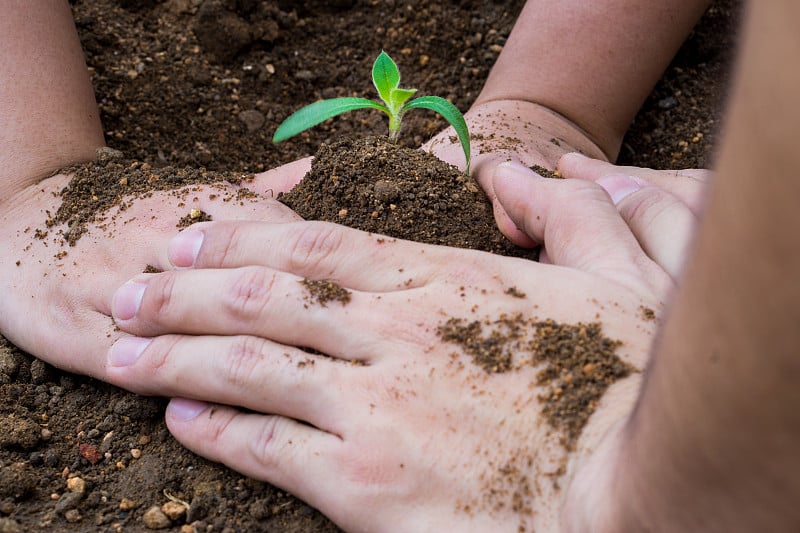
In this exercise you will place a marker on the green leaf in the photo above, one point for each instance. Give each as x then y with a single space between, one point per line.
313 114
450 113
399 97
385 76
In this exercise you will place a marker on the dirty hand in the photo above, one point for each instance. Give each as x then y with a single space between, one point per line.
55 302
404 394
662 207
512 130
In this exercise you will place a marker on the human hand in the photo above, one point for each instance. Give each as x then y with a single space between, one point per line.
512 130
394 428
662 207
56 297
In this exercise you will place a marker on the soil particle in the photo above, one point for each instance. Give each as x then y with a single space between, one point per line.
9 525
493 352
581 364
323 291
154 518
104 183
15 482
17 432
195 215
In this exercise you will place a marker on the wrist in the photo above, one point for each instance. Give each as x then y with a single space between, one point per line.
527 131
571 133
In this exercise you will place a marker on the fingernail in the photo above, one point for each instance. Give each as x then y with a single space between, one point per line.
619 186
184 409
127 350
515 169
184 247
127 300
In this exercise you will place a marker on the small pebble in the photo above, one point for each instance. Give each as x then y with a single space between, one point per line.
174 510
154 518
9 525
72 516
77 485
126 504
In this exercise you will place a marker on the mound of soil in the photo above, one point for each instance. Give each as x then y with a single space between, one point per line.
374 185
203 83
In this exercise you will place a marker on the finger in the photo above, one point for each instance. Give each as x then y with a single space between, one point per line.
661 222
267 303
484 172
314 250
282 178
278 450
241 370
687 185
574 220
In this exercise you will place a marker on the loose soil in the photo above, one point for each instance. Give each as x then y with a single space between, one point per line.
195 88
373 185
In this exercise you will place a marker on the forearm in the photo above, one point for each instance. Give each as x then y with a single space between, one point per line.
592 62
714 441
48 115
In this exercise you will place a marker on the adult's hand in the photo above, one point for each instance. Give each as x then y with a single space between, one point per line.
385 425
512 130
55 302
662 207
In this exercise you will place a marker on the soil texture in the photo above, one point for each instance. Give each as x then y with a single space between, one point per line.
371 184
191 91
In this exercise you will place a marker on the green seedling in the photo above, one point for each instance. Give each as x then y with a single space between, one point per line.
395 102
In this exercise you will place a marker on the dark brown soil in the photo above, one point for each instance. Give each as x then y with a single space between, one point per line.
111 181
373 185
322 291
184 84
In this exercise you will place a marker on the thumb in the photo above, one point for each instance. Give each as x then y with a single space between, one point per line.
574 219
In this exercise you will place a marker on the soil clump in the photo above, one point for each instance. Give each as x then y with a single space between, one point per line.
372 184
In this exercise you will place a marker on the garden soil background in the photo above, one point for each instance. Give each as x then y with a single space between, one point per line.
204 83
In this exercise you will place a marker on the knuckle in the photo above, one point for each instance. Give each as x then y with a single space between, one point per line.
218 431
313 244
225 246
647 206
249 295
264 442
159 296
241 360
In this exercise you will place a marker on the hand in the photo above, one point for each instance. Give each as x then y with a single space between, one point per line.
385 425
662 207
512 130
57 306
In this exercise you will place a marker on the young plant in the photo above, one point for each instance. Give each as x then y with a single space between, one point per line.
395 102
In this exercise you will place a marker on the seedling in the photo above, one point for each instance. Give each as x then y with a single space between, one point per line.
395 102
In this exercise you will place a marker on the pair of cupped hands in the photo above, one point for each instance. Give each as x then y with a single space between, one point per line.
392 429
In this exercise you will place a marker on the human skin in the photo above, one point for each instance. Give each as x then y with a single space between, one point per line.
723 380
571 70
415 425
81 291
708 443
50 120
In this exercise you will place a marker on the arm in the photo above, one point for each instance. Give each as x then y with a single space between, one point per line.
48 120
47 110
571 78
593 63
723 382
